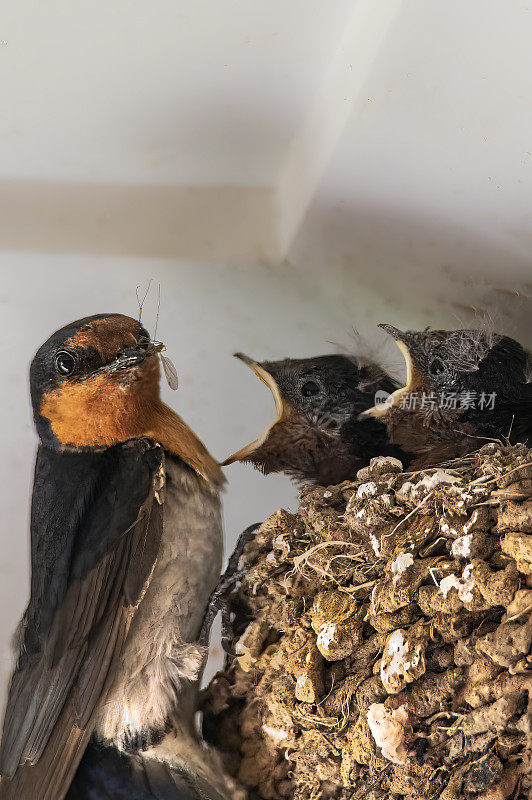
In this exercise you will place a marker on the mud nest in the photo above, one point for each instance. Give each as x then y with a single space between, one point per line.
384 639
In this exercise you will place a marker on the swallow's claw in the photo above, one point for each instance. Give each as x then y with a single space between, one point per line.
220 597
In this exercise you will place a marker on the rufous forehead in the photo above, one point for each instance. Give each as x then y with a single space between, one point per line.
109 336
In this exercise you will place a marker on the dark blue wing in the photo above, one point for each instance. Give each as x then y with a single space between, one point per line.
96 528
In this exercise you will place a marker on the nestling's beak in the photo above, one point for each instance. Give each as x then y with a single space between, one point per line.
413 374
281 410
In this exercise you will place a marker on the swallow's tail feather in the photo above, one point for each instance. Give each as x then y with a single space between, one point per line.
106 774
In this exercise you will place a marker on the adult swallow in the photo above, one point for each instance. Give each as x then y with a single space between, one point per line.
125 549
463 387
316 434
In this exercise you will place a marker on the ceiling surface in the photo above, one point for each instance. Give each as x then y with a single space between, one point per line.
392 140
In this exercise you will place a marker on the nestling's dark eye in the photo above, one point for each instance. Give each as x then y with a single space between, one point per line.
309 389
65 363
436 366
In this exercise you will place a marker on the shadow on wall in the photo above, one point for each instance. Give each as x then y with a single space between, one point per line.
425 270
150 221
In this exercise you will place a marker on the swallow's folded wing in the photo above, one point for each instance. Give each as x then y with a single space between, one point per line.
106 773
96 528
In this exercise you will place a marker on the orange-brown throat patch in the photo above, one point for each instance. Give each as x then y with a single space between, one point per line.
107 409
173 433
103 409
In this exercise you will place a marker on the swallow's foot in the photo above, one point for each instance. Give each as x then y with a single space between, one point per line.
221 596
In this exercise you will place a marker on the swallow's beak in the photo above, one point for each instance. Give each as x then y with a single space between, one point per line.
413 374
133 356
281 410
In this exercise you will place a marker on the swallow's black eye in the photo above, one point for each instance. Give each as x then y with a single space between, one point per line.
309 389
65 363
436 366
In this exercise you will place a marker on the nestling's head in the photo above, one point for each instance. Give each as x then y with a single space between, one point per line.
461 362
94 382
316 400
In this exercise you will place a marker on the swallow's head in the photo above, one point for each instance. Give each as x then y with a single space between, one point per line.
94 381
456 362
314 399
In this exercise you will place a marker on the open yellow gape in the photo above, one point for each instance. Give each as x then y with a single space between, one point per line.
281 409
413 383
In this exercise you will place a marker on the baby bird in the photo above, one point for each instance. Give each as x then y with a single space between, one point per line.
316 434
463 387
